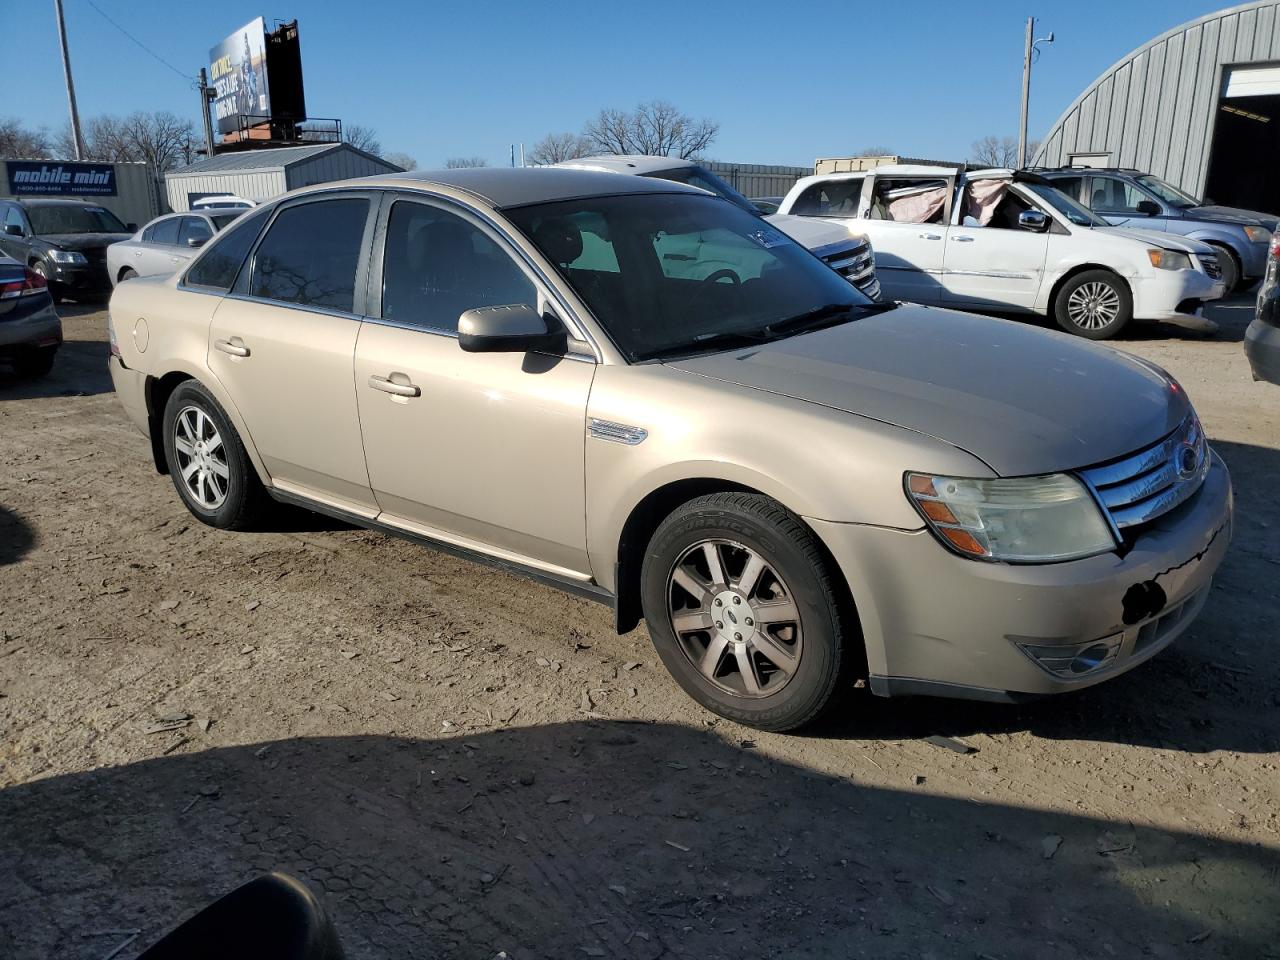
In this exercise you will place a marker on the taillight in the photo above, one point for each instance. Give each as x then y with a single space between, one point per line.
1275 246
30 284
111 338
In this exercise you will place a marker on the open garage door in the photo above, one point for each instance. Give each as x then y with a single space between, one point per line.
1246 140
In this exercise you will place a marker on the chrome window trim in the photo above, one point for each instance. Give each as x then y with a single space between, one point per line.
570 354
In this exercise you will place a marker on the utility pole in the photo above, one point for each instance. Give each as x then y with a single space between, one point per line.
1027 57
76 136
207 94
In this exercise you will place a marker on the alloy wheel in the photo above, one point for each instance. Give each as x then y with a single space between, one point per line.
734 618
1093 305
202 459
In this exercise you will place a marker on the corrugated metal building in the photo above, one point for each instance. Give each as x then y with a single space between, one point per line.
262 174
1198 106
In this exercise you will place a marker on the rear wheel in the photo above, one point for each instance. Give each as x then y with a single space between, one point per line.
207 461
1095 304
744 611
128 273
35 362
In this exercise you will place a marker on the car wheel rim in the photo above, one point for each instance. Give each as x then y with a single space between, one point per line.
202 459
734 618
1092 306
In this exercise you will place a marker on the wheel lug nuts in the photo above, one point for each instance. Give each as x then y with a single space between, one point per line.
736 601
719 625
737 636
750 622
719 602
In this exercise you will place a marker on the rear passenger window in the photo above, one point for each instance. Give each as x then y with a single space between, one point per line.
220 262
193 228
438 265
310 253
166 231
835 198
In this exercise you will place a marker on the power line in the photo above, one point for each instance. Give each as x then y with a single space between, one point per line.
147 49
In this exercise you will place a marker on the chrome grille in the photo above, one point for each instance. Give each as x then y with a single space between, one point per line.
851 263
1153 481
1209 261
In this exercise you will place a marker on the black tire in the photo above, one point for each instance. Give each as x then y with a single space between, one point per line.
780 538
128 273
245 498
1231 272
39 268
35 362
1101 280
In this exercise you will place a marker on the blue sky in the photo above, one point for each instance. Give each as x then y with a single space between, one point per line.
446 79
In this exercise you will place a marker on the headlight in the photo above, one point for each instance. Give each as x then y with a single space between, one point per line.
1024 519
1169 260
1258 234
66 256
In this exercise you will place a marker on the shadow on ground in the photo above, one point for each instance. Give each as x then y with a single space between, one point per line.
80 369
609 840
16 537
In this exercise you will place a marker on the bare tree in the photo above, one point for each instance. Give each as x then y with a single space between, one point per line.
656 128
459 163
402 160
874 152
363 138
993 151
559 147
161 139
18 142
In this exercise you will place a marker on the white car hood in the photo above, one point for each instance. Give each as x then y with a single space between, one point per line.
1169 241
813 233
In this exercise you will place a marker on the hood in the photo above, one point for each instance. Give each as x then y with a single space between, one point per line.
82 241
1230 215
1157 238
813 233
1023 400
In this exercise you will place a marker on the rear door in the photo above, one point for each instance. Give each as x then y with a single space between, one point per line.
195 229
154 256
906 219
991 261
283 344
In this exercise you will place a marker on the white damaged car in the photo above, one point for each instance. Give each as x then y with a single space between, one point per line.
1006 240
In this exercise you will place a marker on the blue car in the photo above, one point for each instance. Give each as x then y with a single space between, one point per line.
30 331
1131 198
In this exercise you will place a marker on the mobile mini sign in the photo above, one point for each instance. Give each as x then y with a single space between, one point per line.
34 177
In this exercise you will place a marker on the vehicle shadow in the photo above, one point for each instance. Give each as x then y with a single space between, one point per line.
80 369
1214 689
1232 315
16 537
607 840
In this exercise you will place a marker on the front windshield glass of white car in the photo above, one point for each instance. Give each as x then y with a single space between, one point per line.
677 274
1077 214
1168 192
705 180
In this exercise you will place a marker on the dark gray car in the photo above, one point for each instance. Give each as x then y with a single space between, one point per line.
1131 198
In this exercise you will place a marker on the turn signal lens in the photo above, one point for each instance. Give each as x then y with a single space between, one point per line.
1258 234
1169 260
1019 519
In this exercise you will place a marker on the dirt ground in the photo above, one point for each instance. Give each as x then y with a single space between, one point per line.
467 765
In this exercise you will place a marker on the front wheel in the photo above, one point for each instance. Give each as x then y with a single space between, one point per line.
1095 304
1231 271
207 461
745 612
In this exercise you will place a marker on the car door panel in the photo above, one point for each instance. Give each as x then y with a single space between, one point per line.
998 267
909 254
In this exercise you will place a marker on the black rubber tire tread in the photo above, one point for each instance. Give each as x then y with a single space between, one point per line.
1079 280
826 659
1232 272
247 501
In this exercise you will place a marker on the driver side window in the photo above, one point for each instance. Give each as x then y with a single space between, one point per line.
436 266
1115 196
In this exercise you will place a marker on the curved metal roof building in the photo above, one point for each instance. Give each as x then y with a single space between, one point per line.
1194 99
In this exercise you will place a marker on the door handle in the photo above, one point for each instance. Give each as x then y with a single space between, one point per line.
235 347
963 239
387 385
176 259
930 236
137 253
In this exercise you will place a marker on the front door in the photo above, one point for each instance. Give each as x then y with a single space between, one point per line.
1116 201
283 344
991 261
484 449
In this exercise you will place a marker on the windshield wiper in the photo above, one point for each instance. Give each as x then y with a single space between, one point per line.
706 342
827 315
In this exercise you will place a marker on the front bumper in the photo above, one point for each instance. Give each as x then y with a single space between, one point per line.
84 279
935 623
30 325
1175 296
1253 261
1262 344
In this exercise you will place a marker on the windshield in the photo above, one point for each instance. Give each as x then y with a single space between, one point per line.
1080 216
1167 192
666 274
704 179
73 218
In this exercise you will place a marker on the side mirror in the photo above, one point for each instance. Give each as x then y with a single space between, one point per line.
1148 208
197 241
1034 220
14 230
512 328
272 918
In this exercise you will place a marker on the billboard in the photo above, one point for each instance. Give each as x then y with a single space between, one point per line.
238 70
35 177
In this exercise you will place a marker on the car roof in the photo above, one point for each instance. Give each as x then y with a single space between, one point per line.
503 187
53 201
636 164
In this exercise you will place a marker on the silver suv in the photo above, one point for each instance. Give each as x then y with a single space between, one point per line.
1131 198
